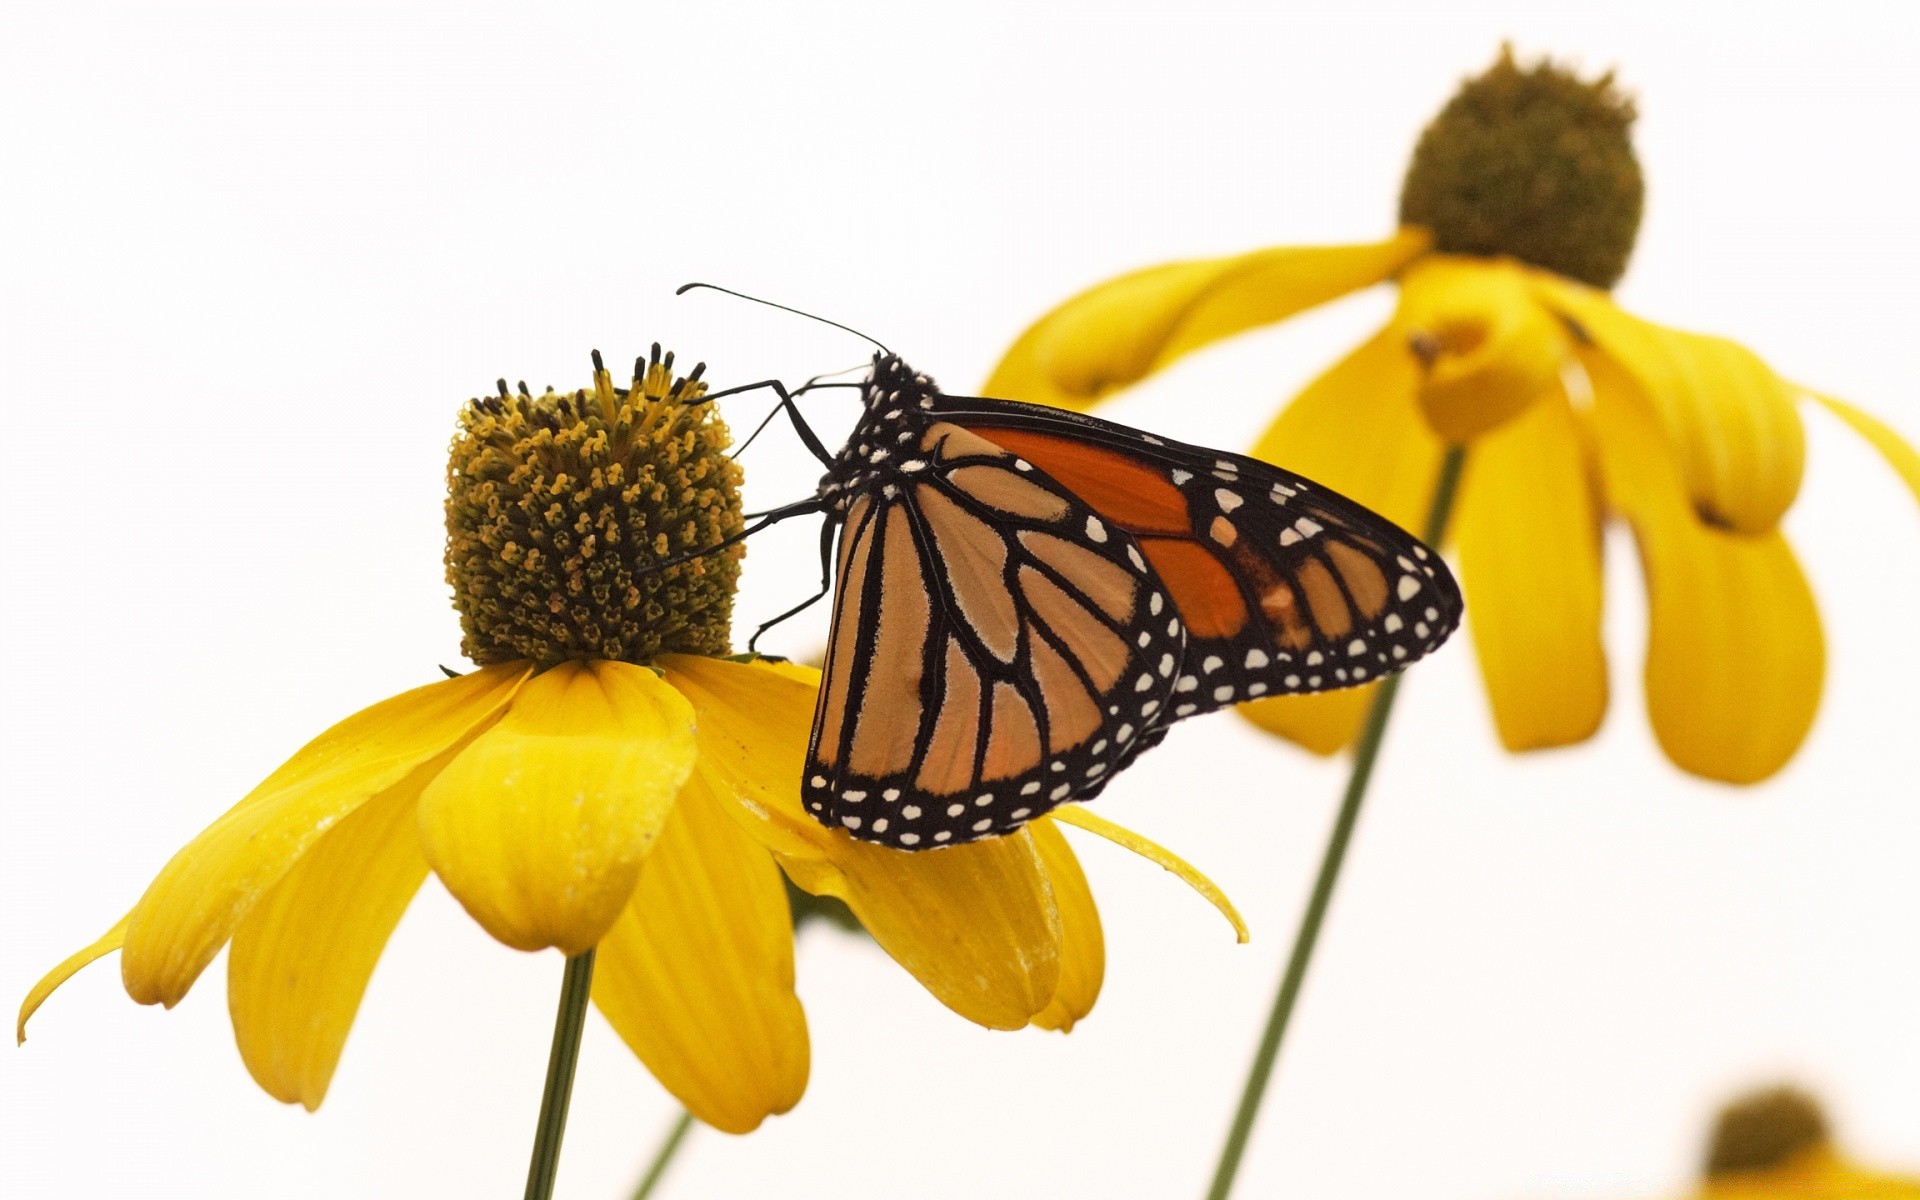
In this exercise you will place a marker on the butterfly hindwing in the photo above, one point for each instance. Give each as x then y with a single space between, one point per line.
1284 586
998 648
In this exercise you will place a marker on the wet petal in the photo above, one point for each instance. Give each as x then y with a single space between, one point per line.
1528 532
1898 452
754 723
1120 331
697 974
1119 835
1731 421
1083 948
1489 347
539 826
70 966
977 924
1735 656
1357 431
191 909
301 959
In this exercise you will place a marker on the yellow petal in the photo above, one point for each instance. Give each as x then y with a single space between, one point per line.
301 959
787 668
107 943
1490 348
1356 430
539 826
1118 332
1083 948
1073 814
1323 722
697 974
191 909
1731 421
1735 656
1816 1173
754 722
1895 449
977 924
1528 532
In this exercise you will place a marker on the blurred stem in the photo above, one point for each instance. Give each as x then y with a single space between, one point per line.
1365 751
575 987
663 1157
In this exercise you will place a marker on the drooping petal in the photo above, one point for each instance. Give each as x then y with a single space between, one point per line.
1732 423
697 974
538 827
1118 332
301 959
1528 531
1489 347
1083 947
1898 452
70 966
191 909
1735 655
977 924
1186 872
1357 430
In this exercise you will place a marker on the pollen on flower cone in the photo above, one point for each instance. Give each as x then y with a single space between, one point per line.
561 507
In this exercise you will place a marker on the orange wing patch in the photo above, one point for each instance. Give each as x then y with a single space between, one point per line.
1129 493
1203 589
975 560
856 552
889 717
947 766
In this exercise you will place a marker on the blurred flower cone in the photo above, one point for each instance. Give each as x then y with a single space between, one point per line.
1775 1145
1517 216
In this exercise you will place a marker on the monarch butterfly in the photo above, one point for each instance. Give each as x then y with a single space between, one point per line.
1025 598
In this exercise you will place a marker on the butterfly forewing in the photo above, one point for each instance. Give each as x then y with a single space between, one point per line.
998 647
1283 586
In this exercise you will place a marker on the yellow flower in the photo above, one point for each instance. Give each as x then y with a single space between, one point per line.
1518 213
605 779
1775 1143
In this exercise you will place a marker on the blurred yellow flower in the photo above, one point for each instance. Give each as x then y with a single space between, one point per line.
1519 212
1775 1144
606 781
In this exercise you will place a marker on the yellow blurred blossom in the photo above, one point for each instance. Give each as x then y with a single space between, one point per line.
1518 215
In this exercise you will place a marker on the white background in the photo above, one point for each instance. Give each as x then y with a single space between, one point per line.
252 259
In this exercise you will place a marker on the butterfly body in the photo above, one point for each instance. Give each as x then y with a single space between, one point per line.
1027 598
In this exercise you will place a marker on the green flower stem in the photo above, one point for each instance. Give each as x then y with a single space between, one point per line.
575 988
663 1157
1364 754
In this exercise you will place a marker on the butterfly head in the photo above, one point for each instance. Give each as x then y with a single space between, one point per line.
892 384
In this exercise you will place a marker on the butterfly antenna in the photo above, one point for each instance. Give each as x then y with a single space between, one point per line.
684 288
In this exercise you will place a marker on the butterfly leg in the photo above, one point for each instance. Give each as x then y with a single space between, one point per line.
812 504
800 426
826 585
